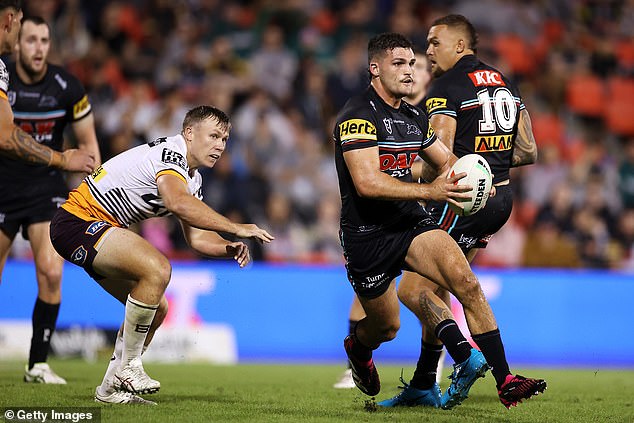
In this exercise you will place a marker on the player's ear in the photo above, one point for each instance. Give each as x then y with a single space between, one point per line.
188 133
460 47
374 69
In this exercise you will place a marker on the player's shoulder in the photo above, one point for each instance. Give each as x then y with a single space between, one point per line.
361 105
170 150
63 77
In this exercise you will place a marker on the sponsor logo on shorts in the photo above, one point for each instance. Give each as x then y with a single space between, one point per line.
467 242
79 255
373 281
435 103
357 129
96 227
2 216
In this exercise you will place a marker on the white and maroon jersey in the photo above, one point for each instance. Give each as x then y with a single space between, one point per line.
4 80
124 191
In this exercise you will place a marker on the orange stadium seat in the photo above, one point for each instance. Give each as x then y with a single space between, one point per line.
585 95
548 129
619 110
516 52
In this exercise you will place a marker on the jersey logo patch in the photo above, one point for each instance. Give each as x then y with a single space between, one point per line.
493 143
435 103
172 157
413 129
388 125
357 128
487 78
430 132
98 173
81 108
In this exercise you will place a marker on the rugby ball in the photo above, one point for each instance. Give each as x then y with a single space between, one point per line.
479 177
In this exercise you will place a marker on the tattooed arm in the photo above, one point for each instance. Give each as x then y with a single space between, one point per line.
525 148
17 144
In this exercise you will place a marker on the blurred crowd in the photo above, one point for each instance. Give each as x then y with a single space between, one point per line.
282 69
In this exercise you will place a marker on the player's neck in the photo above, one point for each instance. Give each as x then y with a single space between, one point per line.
385 95
28 77
415 100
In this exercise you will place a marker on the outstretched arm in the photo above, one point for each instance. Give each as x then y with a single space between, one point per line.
193 212
209 243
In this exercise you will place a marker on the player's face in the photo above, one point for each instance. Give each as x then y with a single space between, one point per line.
395 70
11 38
33 47
208 142
443 48
421 76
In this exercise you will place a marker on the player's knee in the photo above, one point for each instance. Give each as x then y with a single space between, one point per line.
50 277
389 330
159 271
468 289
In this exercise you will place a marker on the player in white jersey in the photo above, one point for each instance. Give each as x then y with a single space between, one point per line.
157 179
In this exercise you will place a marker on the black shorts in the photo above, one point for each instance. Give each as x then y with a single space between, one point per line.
476 230
22 205
78 240
373 260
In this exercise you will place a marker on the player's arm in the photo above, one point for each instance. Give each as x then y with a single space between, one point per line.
445 129
525 147
193 212
209 243
370 182
18 145
84 130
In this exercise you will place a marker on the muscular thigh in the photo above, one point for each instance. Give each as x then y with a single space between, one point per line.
436 256
43 251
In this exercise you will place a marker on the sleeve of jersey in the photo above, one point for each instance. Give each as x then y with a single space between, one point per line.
169 161
356 131
79 100
438 102
4 80
430 136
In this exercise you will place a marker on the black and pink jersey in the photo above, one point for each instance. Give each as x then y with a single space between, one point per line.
367 121
486 106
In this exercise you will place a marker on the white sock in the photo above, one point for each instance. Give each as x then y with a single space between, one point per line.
138 317
107 387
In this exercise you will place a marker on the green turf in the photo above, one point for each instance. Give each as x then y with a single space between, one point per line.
304 393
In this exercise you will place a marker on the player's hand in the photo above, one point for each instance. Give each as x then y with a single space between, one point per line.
445 188
492 192
75 160
240 253
250 230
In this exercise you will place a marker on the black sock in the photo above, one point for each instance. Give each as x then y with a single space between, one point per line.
490 344
352 324
44 319
425 373
457 345
359 350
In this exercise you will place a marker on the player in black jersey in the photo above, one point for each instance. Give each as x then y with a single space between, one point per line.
383 228
14 142
45 99
421 79
473 109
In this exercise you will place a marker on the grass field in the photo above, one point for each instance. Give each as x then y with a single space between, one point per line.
303 393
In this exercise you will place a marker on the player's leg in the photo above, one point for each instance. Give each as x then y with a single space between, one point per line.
5 248
356 313
48 272
380 324
124 255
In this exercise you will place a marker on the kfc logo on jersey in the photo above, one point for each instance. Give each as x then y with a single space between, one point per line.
486 78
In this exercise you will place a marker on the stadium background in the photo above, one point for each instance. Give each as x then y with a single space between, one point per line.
282 69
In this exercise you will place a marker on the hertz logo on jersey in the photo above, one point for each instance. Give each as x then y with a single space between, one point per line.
492 143
435 103
81 108
357 129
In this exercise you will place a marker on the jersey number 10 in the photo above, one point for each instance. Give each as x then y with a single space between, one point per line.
497 112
